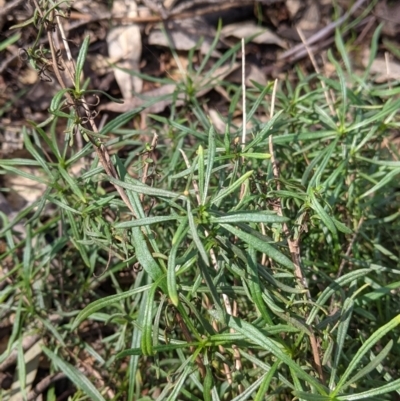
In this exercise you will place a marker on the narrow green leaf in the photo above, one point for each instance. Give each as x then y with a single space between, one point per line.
18 162
80 62
39 158
21 367
261 156
158 349
76 377
72 184
195 235
179 236
373 50
145 189
135 343
325 117
210 160
208 384
145 258
246 217
266 381
201 165
147 334
23 24
260 246
53 146
388 108
315 180
321 213
24 174
178 385
226 191
63 205
343 53
147 221
344 323
27 257
58 100
9 41
302 395
387 163
218 313
342 80
375 362
310 168
265 131
106 302
256 104
371 394
121 120
384 181
270 345
76 237
336 286
210 52
254 286
341 227
368 344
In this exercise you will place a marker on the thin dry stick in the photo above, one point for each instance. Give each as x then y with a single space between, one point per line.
42 386
238 362
273 98
388 71
349 248
323 32
294 247
101 150
243 96
317 70
271 114
244 114
27 342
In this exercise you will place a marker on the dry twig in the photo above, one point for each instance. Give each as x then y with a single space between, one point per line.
294 247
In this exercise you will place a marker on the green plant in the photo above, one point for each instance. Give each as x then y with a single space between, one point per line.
262 269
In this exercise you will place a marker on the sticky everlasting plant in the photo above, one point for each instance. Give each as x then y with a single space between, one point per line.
263 268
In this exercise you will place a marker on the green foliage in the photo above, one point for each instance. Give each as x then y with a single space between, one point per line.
211 236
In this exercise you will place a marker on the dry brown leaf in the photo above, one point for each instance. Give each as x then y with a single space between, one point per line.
311 18
253 74
247 29
217 121
125 49
382 70
165 90
96 9
168 4
293 6
23 191
389 14
2 4
31 358
185 35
